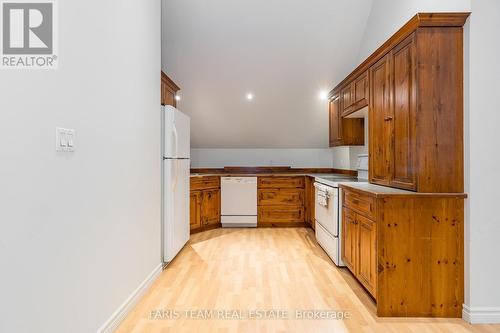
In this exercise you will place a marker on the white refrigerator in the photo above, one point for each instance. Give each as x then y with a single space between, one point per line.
175 190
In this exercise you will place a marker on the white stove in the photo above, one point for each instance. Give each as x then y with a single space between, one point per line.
328 208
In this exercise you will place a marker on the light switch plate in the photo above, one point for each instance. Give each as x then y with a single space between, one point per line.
65 139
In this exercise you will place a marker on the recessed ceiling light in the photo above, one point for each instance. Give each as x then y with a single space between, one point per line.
177 97
249 96
323 95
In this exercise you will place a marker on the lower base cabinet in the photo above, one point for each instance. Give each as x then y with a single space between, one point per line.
359 247
281 201
204 203
406 250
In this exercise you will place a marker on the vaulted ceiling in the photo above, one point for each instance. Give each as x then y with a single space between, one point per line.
284 52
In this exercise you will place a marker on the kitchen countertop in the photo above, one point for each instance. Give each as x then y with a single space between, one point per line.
271 174
383 191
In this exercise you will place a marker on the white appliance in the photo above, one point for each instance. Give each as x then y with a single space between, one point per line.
175 174
238 201
328 207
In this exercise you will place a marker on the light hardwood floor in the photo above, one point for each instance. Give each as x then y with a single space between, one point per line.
263 269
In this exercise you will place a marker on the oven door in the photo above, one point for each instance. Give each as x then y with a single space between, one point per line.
327 207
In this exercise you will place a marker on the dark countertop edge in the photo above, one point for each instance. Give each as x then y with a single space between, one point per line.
403 193
241 171
274 174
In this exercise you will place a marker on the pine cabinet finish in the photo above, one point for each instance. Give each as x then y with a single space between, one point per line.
168 90
281 201
204 203
344 131
415 105
407 253
359 247
310 201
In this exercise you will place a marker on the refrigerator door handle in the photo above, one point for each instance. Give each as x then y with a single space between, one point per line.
175 141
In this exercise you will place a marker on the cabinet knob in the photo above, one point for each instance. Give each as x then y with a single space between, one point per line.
388 118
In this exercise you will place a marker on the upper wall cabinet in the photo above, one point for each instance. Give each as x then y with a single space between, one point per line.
168 90
344 131
354 95
415 105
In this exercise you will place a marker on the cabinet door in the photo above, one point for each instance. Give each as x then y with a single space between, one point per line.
404 122
361 91
349 236
194 210
210 207
335 122
367 259
347 98
380 124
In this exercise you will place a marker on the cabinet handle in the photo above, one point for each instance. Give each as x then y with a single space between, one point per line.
388 118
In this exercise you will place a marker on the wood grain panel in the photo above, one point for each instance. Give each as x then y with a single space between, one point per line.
404 117
420 257
280 214
281 196
349 239
210 207
440 110
204 183
367 258
361 203
281 182
380 124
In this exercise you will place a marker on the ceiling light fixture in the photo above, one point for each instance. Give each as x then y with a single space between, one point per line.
177 97
323 95
249 96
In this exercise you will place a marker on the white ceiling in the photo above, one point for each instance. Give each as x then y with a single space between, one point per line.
283 51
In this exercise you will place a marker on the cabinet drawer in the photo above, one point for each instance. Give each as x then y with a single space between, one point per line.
204 182
280 214
289 197
363 204
281 182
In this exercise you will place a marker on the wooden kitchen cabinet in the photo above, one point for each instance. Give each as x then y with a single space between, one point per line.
415 106
393 118
210 207
168 90
344 131
195 210
281 201
349 239
354 96
359 236
310 201
367 249
380 138
204 203
405 248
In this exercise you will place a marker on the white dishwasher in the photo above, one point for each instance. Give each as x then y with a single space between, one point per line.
238 201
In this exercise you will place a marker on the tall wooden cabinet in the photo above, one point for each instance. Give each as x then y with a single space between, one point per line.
415 112
415 106
403 240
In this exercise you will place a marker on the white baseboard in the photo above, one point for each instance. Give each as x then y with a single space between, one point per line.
481 315
116 318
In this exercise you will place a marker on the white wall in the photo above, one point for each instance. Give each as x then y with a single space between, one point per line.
297 158
483 228
80 231
285 52
387 16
